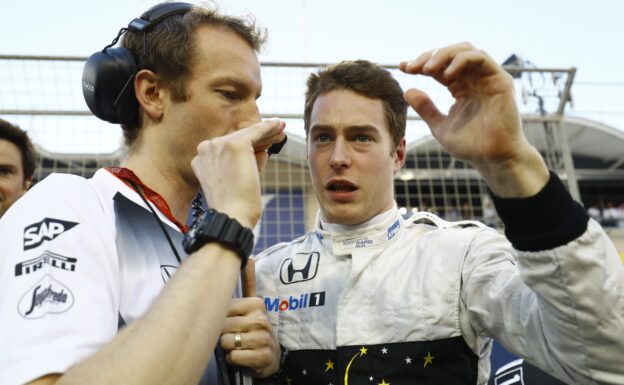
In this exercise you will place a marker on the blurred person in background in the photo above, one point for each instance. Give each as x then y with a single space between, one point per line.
610 215
594 213
17 164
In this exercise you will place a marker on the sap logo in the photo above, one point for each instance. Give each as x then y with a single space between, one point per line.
392 230
302 267
48 296
47 258
293 303
364 242
46 230
358 243
167 271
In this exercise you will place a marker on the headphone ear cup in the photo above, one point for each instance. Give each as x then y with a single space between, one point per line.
104 77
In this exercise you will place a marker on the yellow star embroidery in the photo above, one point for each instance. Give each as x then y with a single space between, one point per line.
428 359
330 365
383 382
288 380
363 351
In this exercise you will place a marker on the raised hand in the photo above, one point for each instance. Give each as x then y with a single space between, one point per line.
227 168
483 126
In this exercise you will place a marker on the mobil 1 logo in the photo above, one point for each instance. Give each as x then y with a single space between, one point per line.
295 302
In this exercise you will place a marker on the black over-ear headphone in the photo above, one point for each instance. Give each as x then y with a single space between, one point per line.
107 78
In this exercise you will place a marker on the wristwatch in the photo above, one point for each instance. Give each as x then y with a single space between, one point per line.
213 226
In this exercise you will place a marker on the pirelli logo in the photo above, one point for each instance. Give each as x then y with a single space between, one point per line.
48 258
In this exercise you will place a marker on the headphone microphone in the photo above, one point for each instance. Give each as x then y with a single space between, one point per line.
108 75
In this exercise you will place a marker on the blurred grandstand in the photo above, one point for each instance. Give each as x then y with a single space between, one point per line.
44 96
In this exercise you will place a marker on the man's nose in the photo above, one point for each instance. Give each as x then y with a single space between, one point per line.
340 157
250 115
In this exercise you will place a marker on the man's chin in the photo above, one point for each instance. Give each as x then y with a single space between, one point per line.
343 215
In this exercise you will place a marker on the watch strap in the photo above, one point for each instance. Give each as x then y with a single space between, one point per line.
213 226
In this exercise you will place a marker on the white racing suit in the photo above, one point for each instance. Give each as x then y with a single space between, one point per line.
418 301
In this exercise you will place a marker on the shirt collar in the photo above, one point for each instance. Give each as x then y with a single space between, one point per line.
375 232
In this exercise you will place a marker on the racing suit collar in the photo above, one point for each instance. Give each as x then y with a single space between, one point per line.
372 234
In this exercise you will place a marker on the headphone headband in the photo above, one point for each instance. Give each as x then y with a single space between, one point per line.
156 14
108 74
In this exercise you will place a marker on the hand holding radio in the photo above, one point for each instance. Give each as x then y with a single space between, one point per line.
247 335
227 168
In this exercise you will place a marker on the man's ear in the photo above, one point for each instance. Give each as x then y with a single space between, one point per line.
27 184
399 155
149 93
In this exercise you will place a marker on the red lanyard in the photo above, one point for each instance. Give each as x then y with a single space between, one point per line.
127 175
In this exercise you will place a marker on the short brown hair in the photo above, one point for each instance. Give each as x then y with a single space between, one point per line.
170 48
366 79
20 139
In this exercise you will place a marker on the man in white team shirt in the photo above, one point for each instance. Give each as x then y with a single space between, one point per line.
83 257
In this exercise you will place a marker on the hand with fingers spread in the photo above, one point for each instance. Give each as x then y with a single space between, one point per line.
247 335
483 127
228 169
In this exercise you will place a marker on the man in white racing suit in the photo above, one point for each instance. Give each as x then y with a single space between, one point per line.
368 297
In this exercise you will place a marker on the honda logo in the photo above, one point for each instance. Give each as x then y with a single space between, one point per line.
300 268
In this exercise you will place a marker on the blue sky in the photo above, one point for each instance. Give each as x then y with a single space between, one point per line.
571 33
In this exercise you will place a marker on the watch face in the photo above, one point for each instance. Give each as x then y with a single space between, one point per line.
193 237
191 231
204 223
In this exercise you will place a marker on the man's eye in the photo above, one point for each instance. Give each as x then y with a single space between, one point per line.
322 138
362 138
230 95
